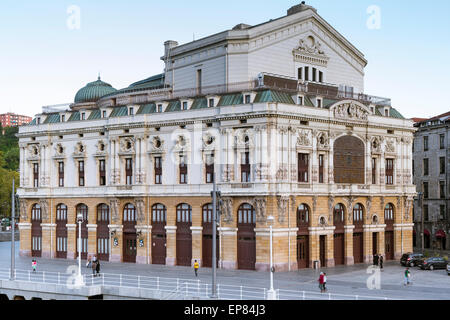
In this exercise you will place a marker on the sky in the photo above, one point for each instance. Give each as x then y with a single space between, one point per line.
47 55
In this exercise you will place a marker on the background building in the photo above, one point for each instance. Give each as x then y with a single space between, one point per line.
13 120
276 110
432 176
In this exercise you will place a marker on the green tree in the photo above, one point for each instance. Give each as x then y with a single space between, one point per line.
6 177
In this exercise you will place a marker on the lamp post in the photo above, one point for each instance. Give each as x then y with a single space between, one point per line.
271 294
79 220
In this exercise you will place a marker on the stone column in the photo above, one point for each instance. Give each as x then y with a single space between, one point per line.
116 242
25 239
47 248
71 241
263 249
92 239
381 244
348 243
329 250
367 245
142 244
314 248
171 245
228 250
197 253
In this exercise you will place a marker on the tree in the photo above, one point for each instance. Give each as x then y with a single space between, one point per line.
6 177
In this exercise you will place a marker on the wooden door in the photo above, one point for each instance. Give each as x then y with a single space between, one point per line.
103 241
302 252
207 250
36 231
322 251
158 234
375 243
61 231
184 244
389 245
129 247
339 255
358 247
246 237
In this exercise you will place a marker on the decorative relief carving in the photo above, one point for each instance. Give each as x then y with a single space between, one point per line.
350 201
282 172
350 110
304 138
23 210
283 202
260 209
114 206
227 173
101 148
323 141
227 209
390 145
80 150
127 145
375 144
59 150
310 51
330 207
140 207
182 144
34 152
44 209
368 207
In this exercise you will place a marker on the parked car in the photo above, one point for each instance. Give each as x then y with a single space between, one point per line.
411 259
448 269
433 263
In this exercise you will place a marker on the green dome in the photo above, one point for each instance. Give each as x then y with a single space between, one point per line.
93 91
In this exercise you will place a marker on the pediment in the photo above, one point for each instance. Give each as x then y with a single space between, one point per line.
350 110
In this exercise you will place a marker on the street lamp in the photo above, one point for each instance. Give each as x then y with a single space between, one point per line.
79 220
271 294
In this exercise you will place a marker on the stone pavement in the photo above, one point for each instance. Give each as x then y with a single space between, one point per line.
434 285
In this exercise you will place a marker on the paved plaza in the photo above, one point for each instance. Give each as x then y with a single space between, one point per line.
352 280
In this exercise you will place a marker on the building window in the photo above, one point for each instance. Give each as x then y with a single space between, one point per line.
247 99
102 172
129 171
425 167
81 173
300 100
442 165
425 143
306 73
245 167
131 111
83 116
35 175
314 71
358 213
442 212
303 165
442 141
63 118
374 170
339 214
185 105
211 103
389 212
321 168
390 171
61 173
442 189
199 81
386 112
425 190
320 76
38 121
299 73
319 103
425 212
159 110
104 114
183 170
209 168
158 170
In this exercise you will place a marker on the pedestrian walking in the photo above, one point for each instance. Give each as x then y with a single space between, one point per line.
381 261
325 282
196 267
97 268
407 277
321 282
88 263
34 265
94 266
375 259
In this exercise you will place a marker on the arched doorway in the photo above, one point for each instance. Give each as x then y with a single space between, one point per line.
339 234
184 235
61 231
358 234
348 160
303 216
83 209
389 231
207 213
246 246
159 220
441 239
36 231
103 241
129 233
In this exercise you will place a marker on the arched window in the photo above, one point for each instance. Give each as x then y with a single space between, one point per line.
389 212
61 212
158 213
184 213
246 214
302 214
358 211
339 212
207 213
129 213
83 209
102 213
36 212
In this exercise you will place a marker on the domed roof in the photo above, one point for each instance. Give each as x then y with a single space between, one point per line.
93 91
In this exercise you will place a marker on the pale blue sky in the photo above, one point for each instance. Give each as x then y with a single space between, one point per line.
43 62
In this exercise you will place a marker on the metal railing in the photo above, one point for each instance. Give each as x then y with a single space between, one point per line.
176 288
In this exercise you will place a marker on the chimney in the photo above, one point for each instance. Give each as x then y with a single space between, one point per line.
299 8
169 44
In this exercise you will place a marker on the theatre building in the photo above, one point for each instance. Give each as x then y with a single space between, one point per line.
276 110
